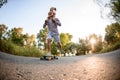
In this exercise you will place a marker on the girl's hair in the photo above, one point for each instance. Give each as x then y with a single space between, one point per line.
53 8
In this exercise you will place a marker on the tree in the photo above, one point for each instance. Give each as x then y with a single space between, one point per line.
112 33
113 6
115 9
3 29
112 36
15 35
41 36
65 38
29 40
83 46
99 44
70 48
96 43
2 2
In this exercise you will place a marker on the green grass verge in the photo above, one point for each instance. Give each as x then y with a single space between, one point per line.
9 47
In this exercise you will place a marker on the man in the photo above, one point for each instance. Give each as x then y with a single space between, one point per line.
52 22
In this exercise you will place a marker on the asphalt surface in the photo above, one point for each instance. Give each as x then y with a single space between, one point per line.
89 67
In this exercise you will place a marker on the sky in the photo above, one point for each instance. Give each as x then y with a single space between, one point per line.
79 18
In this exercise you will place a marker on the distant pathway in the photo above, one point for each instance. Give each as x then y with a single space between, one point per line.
89 67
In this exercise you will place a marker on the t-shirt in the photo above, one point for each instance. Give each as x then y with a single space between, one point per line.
52 26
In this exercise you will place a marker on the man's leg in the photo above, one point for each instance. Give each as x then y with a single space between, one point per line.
60 46
49 46
49 37
57 39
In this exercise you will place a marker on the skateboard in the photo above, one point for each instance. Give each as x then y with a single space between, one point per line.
49 58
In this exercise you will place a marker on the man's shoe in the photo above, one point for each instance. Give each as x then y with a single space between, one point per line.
55 57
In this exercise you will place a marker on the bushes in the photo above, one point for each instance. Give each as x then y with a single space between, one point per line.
116 46
6 46
10 47
109 48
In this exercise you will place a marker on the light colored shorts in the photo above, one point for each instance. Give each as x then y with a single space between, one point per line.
53 35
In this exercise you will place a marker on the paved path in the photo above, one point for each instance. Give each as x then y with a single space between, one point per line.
89 67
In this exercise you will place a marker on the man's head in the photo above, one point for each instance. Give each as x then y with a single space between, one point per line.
51 14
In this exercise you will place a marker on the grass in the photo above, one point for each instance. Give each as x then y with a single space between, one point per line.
11 48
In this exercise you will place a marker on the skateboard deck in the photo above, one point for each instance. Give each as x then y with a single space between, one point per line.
48 58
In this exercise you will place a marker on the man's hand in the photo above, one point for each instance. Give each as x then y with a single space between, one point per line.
53 19
46 21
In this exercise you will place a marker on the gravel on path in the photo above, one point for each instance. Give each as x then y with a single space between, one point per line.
88 67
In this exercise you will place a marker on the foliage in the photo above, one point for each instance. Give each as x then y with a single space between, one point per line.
112 33
15 35
65 38
98 44
109 48
14 42
70 47
113 6
10 47
112 37
28 40
2 2
83 46
86 45
3 29
54 48
115 9
41 36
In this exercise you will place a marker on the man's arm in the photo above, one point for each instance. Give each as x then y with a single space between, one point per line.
44 25
56 20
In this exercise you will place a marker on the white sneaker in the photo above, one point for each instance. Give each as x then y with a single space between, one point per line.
49 54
